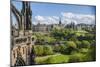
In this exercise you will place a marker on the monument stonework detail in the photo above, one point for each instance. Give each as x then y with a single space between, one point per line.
21 38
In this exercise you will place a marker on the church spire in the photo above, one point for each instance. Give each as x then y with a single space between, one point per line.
60 21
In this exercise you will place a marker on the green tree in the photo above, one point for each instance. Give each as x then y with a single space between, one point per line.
38 50
85 44
79 44
71 44
71 47
47 50
60 48
72 37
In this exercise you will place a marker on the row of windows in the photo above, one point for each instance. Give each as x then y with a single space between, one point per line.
21 40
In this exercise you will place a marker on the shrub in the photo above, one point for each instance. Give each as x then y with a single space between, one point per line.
38 50
60 48
71 44
47 50
71 47
57 59
41 60
79 44
56 48
90 36
85 44
77 57
84 50
91 54
72 37
43 50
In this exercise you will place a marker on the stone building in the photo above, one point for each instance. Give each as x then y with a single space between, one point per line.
46 28
80 26
21 38
42 28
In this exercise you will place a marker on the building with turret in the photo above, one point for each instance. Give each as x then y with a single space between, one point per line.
46 27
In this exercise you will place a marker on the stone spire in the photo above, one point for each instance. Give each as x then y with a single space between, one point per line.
26 16
60 21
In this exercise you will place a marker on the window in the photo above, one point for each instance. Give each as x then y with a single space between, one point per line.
14 54
32 39
23 50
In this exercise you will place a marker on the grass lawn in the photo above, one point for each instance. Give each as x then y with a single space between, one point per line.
60 58
78 33
50 59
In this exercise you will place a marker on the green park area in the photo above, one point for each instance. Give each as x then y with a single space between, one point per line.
64 46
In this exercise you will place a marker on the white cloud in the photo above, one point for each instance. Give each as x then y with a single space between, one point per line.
66 17
55 17
52 20
39 18
77 18
46 19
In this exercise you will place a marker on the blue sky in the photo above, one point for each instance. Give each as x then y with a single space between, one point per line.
51 9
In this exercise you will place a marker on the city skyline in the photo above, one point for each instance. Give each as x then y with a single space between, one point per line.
49 33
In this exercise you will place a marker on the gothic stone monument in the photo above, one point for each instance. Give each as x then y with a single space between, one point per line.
21 38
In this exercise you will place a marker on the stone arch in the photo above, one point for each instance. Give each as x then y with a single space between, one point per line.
20 61
17 14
